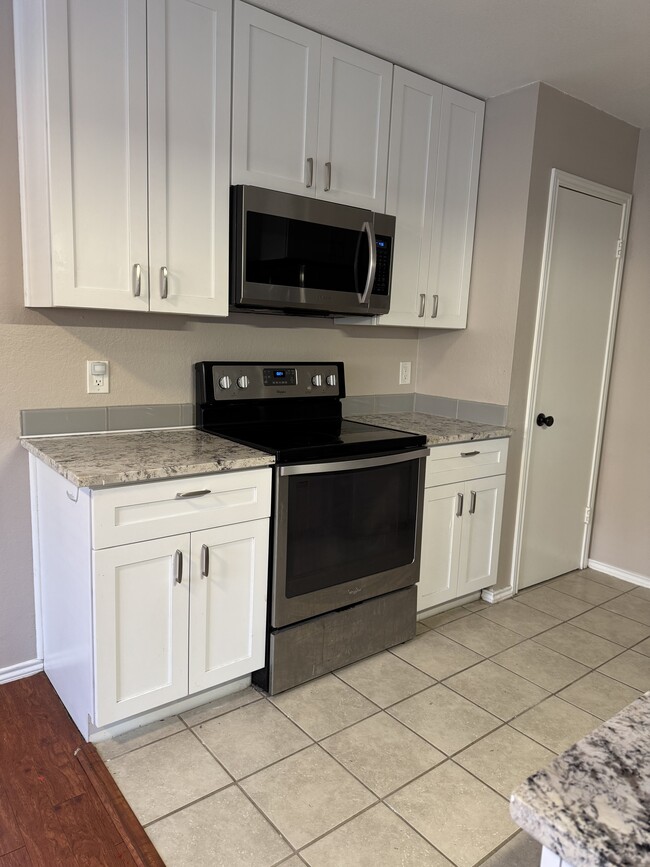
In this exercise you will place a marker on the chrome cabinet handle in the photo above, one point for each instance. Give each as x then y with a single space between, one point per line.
469 454
163 282
372 260
328 177
137 280
205 561
190 494
310 172
435 307
459 505
178 567
423 301
472 502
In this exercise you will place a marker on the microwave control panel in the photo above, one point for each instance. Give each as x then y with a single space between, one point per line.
381 285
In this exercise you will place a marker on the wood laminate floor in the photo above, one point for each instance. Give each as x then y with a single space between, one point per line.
58 803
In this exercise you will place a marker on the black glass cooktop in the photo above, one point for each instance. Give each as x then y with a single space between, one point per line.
316 439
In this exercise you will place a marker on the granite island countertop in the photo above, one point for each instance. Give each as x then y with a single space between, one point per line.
98 460
591 805
438 429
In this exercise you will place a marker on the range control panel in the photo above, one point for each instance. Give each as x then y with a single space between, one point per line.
259 381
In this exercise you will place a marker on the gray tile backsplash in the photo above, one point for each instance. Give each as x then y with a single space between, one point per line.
394 402
138 417
36 422
434 405
485 413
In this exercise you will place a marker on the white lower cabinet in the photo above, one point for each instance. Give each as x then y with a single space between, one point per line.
461 524
157 617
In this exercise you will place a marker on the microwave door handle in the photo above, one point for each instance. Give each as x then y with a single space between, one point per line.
369 229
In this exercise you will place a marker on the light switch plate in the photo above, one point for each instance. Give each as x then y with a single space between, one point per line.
97 383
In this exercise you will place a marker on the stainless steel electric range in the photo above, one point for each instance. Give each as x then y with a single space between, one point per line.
347 513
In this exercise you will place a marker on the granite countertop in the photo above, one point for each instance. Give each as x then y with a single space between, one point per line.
437 429
591 805
97 460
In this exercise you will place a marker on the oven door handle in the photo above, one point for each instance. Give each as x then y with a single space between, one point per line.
355 464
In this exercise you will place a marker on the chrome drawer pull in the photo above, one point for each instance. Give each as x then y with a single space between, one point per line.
459 506
190 494
472 502
310 172
469 454
423 300
137 281
163 282
435 307
328 177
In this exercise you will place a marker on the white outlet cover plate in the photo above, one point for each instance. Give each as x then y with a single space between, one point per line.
96 384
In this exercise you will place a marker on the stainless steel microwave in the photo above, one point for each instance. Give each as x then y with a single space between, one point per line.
295 254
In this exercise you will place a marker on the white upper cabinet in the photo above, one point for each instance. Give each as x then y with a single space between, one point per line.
276 68
310 115
433 169
123 112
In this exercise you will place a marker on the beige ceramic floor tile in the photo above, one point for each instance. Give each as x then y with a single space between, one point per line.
521 619
612 626
420 628
542 666
324 706
224 830
384 678
458 814
166 775
631 606
480 634
521 851
585 589
382 753
478 605
584 647
446 617
436 655
504 759
607 580
251 738
631 668
219 706
445 719
376 838
641 593
556 724
497 690
643 647
553 602
156 731
307 795
599 695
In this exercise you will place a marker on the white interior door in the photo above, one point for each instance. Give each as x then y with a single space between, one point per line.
575 331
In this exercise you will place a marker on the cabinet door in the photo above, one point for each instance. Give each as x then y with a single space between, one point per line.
228 603
140 626
353 126
479 553
413 152
459 154
189 154
275 102
97 110
441 539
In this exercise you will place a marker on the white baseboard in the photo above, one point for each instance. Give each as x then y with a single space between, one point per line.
22 669
498 594
623 574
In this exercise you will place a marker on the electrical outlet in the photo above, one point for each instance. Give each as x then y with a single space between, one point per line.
97 377
404 372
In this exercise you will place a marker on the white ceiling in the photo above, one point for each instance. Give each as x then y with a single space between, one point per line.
595 50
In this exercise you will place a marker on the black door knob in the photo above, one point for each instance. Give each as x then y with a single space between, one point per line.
545 420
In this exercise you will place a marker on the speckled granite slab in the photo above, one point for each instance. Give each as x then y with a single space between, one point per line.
437 429
97 460
591 805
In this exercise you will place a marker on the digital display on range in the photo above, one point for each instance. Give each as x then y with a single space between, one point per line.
280 376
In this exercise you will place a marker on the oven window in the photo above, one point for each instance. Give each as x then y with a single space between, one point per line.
284 252
343 526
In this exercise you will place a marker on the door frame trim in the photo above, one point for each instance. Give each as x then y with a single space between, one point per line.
560 179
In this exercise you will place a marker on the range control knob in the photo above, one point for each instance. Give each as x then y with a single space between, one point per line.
317 380
331 379
224 382
242 382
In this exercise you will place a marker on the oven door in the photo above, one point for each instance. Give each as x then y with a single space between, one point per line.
345 531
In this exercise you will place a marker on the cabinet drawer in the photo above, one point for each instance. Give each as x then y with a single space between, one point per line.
157 509
460 462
